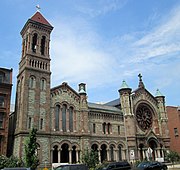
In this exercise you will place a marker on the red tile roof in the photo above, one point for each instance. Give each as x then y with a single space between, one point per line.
39 18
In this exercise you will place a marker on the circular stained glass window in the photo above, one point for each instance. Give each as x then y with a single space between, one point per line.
144 117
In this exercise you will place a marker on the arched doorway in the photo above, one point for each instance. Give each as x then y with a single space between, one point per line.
153 145
65 153
120 152
112 152
103 152
74 159
55 154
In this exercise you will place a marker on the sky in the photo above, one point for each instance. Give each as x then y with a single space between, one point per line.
101 43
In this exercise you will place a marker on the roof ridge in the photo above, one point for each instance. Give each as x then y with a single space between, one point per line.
38 17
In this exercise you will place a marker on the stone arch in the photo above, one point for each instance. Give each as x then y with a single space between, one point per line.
95 147
113 143
150 105
103 152
55 143
66 141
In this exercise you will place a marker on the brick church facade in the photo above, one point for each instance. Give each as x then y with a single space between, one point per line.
68 124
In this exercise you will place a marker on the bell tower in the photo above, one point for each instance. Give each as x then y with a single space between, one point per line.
33 81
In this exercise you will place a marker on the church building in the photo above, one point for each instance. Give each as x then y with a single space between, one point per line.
68 124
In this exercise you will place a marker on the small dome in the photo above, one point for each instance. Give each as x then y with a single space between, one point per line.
158 93
124 85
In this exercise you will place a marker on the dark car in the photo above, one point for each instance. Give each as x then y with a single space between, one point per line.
72 167
152 166
115 166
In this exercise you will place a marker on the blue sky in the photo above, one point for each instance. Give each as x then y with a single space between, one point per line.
102 43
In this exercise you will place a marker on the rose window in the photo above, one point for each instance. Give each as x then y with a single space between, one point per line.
144 117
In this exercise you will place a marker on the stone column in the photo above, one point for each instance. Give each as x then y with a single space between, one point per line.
158 151
51 153
108 156
99 155
77 156
59 155
70 156
144 153
123 154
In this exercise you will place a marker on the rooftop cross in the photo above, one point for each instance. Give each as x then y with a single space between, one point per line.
140 77
38 7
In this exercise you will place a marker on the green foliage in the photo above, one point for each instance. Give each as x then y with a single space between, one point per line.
173 156
10 162
31 158
90 158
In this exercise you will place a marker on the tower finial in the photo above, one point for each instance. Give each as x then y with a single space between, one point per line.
140 77
38 7
141 84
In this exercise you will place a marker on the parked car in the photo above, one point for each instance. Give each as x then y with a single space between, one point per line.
123 165
72 167
154 165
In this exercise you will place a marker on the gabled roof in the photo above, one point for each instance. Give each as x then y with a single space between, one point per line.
39 18
103 107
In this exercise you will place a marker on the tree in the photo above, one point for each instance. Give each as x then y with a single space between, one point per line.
173 157
90 158
10 162
31 159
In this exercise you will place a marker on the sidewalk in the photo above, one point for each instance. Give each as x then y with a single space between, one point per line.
176 166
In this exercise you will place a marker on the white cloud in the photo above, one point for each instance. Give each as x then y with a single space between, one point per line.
79 54
100 7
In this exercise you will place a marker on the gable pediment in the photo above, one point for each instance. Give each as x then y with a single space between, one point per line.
143 94
64 88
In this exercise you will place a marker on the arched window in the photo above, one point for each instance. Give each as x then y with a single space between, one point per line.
43 40
55 154
57 111
43 84
41 123
64 110
108 128
104 128
118 130
94 128
34 43
29 123
32 82
71 119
